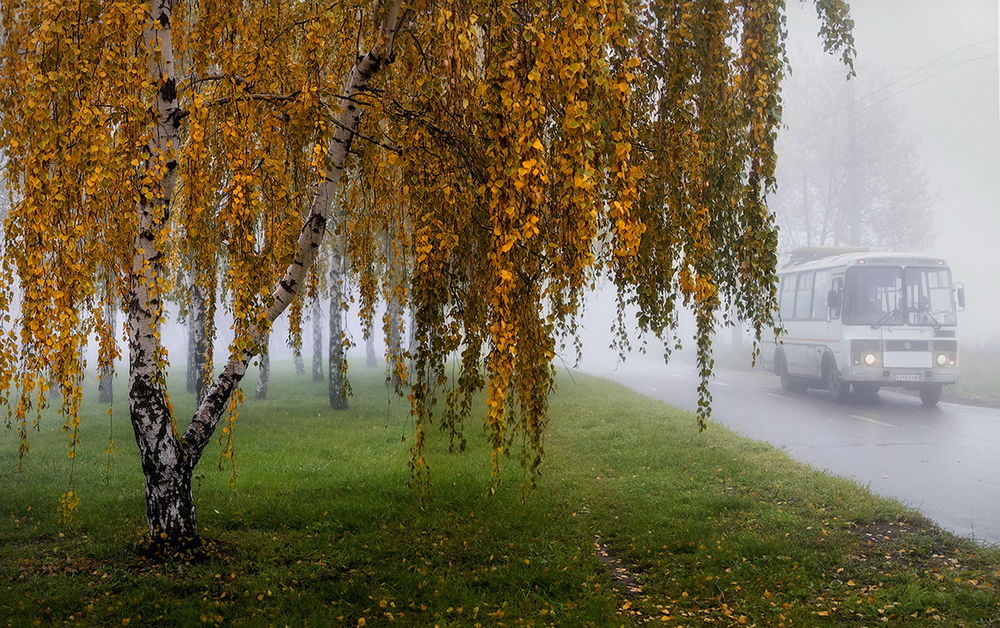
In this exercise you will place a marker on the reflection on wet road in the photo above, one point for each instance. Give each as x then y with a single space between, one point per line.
943 461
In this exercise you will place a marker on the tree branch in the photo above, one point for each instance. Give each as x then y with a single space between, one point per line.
210 410
272 98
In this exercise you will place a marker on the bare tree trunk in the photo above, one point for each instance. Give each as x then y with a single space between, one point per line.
300 367
260 392
411 331
393 329
192 353
105 384
337 366
197 377
317 322
370 360
394 344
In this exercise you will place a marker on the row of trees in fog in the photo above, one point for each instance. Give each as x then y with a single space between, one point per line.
849 168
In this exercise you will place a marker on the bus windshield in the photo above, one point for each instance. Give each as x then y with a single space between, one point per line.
890 295
928 296
875 296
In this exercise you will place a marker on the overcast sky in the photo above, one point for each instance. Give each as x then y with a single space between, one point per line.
938 62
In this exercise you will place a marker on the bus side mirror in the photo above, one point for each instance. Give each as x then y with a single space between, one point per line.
960 295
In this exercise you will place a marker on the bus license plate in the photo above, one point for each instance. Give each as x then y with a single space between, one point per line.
908 377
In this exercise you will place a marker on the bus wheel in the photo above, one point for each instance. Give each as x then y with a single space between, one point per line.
789 383
838 388
930 394
867 391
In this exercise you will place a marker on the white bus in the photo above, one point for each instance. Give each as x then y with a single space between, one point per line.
858 319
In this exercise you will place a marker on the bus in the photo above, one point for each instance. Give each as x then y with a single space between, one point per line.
855 319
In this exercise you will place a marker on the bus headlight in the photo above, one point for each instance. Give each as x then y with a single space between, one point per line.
866 352
942 359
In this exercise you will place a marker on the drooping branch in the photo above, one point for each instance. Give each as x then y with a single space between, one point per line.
310 236
271 98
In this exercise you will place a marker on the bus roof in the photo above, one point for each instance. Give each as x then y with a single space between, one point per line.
863 258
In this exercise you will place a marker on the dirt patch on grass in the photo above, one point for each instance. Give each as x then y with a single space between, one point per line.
624 575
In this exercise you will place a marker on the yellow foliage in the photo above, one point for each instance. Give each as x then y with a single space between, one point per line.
510 156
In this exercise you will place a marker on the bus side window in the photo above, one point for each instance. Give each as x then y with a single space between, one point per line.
804 296
821 294
787 299
837 302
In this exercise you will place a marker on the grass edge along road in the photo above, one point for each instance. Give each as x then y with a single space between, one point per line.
638 518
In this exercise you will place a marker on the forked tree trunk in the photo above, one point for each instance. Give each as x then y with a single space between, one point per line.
371 361
317 356
337 389
168 460
105 383
260 392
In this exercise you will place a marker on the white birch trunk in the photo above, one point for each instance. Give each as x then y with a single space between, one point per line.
197 345
317 339
260 392
166 467
338 378
105 383
371 360
300 366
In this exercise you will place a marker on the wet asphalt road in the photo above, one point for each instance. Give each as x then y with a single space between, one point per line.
943 461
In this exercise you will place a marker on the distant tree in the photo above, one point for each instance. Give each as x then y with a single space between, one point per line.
513 152
371 360
264 365
824 174
316 317
337 384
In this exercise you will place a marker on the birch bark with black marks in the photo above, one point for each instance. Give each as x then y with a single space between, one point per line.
197 378
168 461
166 466
106 380
338 378
317 337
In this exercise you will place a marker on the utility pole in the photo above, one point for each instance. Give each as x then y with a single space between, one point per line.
853 169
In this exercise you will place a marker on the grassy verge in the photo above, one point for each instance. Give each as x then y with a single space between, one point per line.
638 518
979 381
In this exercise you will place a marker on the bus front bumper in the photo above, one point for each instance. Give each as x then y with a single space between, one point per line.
906 377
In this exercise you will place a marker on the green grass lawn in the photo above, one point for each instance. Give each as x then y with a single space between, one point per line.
979 380
637 518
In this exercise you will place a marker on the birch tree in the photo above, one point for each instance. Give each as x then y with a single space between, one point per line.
337 385
316 318
511 154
